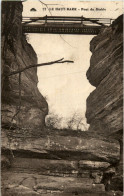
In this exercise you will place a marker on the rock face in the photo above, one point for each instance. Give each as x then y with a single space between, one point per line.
39 161
62 147
54 162
105 104
27 104
44 164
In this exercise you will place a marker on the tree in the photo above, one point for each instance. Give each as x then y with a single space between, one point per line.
53 121
76 122
71 121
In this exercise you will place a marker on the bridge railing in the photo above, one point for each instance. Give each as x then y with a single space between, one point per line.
68 19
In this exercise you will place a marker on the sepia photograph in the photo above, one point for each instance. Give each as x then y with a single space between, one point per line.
61 98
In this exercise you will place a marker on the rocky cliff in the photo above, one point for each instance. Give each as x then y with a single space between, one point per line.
105 104
36 160
22 104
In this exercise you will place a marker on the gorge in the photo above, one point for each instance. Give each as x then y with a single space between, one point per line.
40 161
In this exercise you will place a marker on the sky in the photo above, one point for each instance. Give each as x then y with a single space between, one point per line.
65 85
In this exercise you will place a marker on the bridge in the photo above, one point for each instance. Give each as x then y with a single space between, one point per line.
64 25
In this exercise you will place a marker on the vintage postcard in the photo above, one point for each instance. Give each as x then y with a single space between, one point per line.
61 98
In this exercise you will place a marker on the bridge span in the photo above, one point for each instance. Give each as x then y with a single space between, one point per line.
64 25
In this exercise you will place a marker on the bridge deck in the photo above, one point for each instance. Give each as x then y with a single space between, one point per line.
61 29
64 25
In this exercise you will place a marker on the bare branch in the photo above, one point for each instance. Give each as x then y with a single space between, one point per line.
42 64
